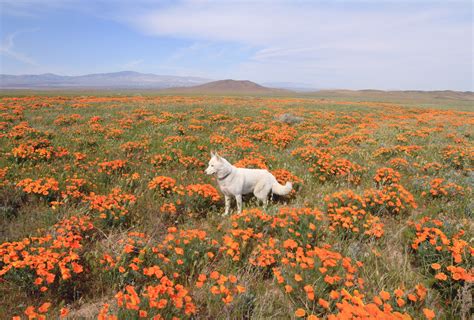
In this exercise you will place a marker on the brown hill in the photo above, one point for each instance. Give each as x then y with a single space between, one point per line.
228 86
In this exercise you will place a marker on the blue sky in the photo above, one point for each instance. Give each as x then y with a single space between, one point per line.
381 44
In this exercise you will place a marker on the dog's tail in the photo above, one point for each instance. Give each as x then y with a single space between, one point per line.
282 190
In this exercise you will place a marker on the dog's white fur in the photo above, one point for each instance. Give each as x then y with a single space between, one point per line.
236 182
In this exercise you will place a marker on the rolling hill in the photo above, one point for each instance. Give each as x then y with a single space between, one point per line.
228 86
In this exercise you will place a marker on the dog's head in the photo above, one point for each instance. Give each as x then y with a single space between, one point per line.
216 164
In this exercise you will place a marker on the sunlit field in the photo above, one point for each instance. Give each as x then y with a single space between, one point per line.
106 211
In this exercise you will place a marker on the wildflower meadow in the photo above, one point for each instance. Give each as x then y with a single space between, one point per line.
106 212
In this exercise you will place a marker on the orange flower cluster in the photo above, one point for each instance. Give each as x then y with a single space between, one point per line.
40 313
441 188
353 307
339 168
179 254
237 239
447 255
217 139
283 176
310 154
355 139
190 162
313 275
113 133
165 185
459 157
114 166
176 255
165 298
175 140
37 150
326 167
265 254
386 176
251 218
432 166
224 287
134 148
345 305
3 175
113 207
44 186
160 160
64 120
41 262
429 234
393 199
185 251
244 144
21 130
169 208
278 136
75 189
205 191
244 129
195 127
348 215
397 150
95 119
246 239
130 248
256 161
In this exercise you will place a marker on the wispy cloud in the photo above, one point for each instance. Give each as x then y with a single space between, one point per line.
33 8
360 43
8 48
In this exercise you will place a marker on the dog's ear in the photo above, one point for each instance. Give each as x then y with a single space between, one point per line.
213 154
218 156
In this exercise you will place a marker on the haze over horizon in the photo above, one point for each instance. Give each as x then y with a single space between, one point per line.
417 45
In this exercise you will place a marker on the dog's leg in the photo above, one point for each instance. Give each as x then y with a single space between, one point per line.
238 199
261 191
265 202
227 204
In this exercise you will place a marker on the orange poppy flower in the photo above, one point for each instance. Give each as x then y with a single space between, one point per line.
429 314
300 313
44 307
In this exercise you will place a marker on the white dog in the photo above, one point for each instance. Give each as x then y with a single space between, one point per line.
236 182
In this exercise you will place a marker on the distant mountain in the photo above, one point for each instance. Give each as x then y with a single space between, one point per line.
228 86
123 79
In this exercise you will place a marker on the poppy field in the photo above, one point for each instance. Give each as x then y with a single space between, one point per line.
106 212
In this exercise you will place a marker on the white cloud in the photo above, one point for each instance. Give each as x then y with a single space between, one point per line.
32 8
8 48
371 45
